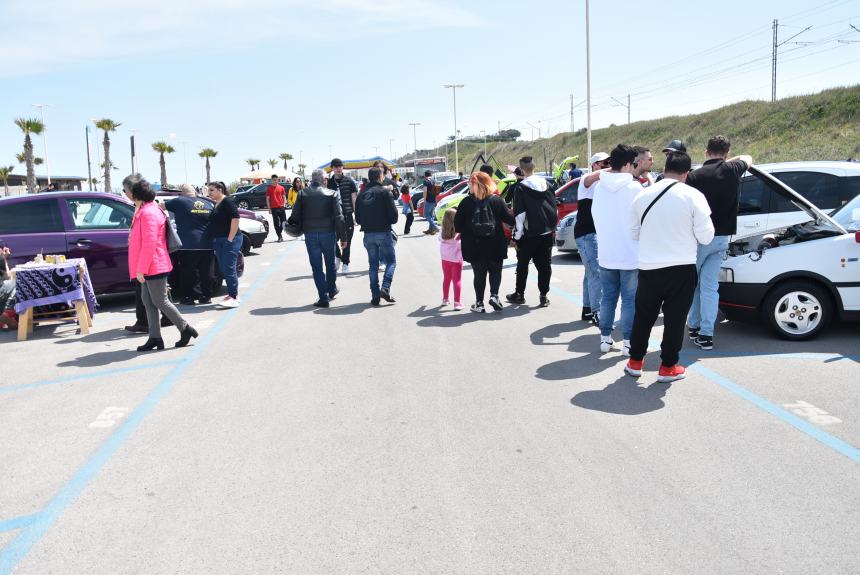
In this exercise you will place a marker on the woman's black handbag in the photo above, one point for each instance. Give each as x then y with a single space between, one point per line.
174 244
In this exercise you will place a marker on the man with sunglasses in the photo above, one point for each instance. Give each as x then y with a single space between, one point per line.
585 236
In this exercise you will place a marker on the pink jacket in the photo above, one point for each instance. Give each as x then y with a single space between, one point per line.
450 249
147 242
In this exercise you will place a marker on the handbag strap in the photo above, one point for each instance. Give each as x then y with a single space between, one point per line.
654 201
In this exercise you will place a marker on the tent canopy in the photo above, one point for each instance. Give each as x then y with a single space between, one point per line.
264 174
359 164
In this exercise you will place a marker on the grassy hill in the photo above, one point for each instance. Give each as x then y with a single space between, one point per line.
823 126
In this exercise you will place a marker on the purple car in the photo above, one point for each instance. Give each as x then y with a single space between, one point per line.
89 225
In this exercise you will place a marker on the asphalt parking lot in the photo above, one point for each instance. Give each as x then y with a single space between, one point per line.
415 439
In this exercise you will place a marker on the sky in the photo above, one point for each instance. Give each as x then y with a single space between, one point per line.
345 78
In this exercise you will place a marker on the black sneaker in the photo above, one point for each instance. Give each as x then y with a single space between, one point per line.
333 294
705 342
386 295
694 333
595 319
374 301
587 314
516 298
495 303
187 301
204 300
477 307
321 303
544 301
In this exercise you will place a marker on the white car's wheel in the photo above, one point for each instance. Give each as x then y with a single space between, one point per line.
798 310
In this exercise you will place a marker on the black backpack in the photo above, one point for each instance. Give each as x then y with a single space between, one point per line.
483 220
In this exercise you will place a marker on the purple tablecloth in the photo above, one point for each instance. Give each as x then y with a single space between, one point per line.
52 284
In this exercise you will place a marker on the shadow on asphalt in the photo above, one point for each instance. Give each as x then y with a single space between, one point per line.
351 309
339 276
447 317
110 357
566 259
282 310
623 397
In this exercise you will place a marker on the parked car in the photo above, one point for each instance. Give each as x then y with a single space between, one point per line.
800 277
89 225
255 198
827 185
566 198
564 240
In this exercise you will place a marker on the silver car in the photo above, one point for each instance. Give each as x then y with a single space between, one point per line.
564 241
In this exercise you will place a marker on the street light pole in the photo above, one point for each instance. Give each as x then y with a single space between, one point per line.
44 138
456 147
391 148
415 141
588 76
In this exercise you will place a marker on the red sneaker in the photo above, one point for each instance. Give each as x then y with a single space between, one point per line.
9 319
634 368
670 374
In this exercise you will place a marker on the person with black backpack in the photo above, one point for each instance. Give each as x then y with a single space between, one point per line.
479 222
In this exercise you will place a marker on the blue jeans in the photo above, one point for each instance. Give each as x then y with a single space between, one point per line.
321 248
430 214
703 313
613 283
380 247
227 253
591 288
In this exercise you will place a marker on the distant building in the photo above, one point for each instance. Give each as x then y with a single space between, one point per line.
18 183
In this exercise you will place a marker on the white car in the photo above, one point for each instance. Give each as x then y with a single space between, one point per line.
564 240
827 185
800 277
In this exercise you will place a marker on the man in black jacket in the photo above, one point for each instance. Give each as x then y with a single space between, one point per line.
375 212
345 186
320 214
536 216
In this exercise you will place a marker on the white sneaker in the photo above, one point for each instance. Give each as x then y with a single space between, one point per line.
229 303
445 302
337 264
625 348
345 269
606 344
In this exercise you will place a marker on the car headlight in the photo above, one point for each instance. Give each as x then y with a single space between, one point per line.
727 275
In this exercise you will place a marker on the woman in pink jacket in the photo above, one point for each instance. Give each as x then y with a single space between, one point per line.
149 263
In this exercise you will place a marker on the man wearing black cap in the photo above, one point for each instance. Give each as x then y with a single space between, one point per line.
345 186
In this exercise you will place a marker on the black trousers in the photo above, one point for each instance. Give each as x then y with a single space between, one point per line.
194 267
410 217
481 268
539 250
343 254
279 216
672 290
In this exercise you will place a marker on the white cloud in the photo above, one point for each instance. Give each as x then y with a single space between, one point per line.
47 35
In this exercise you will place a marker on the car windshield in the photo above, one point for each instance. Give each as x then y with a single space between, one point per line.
849 215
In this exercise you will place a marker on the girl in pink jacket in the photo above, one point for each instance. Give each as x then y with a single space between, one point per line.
149 264
452 258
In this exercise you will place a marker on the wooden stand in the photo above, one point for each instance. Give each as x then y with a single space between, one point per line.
79 313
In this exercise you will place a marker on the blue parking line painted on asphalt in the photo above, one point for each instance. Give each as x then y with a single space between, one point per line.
91 375
829 440
17 549
806 356
18 522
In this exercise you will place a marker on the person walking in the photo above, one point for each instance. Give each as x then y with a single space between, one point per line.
191 214
226 240
406 201
669 220
293 194
618 252
430 203
452 259
536 215
348 191
320 214
276 203
585 236
479 221
375 212
149 264
718 180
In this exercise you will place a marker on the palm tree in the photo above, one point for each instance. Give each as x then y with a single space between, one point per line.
285 156
207 153
108 126
163 148
252 162
302 169
22 159
272 163
29 126
5 172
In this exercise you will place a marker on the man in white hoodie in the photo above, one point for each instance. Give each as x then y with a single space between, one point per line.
670 220
618 253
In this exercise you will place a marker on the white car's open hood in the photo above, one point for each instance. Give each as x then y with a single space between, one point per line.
783 190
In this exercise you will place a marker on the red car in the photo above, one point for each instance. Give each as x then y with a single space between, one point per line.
566 198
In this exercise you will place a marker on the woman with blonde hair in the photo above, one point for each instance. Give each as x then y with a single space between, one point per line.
479 221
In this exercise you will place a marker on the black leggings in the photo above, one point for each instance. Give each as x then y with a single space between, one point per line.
409 218
481 268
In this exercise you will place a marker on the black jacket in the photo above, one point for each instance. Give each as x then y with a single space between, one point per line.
346 187
535 210
375 210
492 248
319 210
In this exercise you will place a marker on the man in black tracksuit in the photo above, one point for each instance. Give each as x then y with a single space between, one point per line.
536 216
348 191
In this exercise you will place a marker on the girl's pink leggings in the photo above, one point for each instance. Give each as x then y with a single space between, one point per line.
451 271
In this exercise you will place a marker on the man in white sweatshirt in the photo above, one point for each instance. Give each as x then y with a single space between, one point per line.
617 252
670 220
